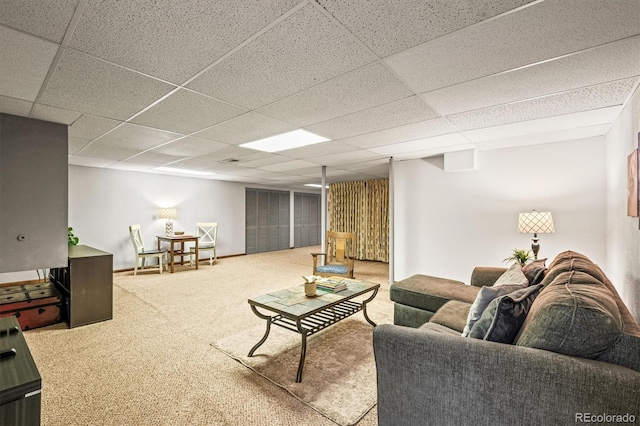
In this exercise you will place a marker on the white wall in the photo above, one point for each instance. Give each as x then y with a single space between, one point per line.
446 223
623 235
104 202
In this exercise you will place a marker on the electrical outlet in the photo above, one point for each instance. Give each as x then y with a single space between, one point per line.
154 217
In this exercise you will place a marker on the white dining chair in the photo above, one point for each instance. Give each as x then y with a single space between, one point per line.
142 253
207 233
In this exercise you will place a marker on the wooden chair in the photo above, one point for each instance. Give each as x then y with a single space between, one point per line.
339 255
141 253
207 233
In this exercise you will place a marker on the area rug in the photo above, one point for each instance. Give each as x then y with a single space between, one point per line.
339 376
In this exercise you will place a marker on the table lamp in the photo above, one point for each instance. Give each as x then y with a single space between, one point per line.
534 223
169 213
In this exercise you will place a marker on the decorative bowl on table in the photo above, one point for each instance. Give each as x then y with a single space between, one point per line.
179 233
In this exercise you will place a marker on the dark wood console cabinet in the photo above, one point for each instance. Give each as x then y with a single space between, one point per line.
20 381
86 286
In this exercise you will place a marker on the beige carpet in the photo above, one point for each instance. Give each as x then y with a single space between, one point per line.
153 364
339 377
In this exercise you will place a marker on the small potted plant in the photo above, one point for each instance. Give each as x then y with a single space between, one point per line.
73 240
521 256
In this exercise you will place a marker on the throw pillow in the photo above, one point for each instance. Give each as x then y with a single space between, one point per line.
504 316
534 271
512 280
511 276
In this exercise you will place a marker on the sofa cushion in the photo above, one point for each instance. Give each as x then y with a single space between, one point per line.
512 280
574 315
568 255
574 264
453 315
625 351
534 271
439 328
430 293
504 316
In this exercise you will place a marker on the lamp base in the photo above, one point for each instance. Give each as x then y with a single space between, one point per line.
535 247
169 228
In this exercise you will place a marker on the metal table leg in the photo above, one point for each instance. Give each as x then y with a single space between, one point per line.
266 333
303 351
364 307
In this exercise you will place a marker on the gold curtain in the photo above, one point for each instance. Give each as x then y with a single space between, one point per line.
362 207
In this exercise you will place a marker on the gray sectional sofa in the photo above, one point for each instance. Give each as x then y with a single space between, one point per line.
572 351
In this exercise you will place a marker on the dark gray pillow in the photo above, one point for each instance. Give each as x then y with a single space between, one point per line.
502 319
534 271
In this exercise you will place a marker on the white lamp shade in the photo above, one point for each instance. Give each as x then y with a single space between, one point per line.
169 213
535 223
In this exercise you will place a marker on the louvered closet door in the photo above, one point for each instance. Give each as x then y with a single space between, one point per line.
267 220
306 219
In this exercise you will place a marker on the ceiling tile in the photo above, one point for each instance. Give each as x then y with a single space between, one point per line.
15 106
344 158
190 147
408 132
330 172
550 124
302 51
77 160
542 31
83 83
138 138
186 112
588 98
48 19
53 114
154 158
107 151
245 128
91 126
288 165
366 87
546 137
193 33
397 113
433 151
324 148
226 153
388 27
265 161
76 144
610 62
452 139
25 63
363 165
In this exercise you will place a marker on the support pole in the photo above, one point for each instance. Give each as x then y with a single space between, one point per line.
391 221
323 212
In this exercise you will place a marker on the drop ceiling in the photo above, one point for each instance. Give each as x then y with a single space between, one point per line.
143 83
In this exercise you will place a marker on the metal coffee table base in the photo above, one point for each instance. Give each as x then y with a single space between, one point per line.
313 323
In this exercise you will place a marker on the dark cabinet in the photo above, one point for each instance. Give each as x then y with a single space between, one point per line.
86 286
33 194
20 381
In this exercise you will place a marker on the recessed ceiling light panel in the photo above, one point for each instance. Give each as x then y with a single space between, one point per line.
289 140
183 171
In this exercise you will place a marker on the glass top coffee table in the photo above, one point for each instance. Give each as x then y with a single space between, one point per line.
308 315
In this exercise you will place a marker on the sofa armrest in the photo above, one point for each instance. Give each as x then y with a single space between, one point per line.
426 377
485 275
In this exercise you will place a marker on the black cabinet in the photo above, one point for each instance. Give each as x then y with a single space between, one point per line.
86 286
20 381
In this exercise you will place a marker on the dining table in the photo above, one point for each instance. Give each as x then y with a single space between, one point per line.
178 239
